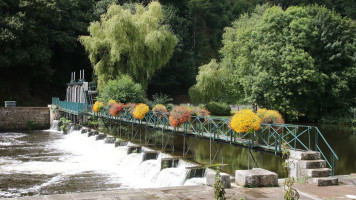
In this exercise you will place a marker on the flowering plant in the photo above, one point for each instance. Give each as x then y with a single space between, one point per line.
140 111
179 115
245 121
116 108
110 103
130 107
160 109
98 106
270 116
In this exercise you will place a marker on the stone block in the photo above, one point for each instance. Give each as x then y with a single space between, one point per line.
210 179
150 155
92 133
110 140
169 162
327 181
100 137
322 172
304 155
120 143
256 177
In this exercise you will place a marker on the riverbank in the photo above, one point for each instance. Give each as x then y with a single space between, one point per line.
346 190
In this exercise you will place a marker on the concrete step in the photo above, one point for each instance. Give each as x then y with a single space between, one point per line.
100 137
304 155
312 164
327 181
322 172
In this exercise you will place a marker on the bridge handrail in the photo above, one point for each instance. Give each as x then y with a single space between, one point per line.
270 136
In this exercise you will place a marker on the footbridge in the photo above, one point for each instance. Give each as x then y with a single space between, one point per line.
270 138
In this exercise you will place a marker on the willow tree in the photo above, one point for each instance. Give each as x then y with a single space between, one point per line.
129 41
209 84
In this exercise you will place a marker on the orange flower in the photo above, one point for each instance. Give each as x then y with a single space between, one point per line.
179 116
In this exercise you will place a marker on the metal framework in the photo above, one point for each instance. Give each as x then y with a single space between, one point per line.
268 139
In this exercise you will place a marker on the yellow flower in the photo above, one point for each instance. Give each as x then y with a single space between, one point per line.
110 103
270 116
98 106
140 111
245 121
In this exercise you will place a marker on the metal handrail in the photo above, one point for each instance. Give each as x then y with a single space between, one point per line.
269 137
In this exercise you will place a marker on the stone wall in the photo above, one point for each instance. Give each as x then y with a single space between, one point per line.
24 118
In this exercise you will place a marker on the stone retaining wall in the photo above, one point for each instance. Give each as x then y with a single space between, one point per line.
24 118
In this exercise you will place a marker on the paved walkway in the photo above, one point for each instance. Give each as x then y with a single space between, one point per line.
346 190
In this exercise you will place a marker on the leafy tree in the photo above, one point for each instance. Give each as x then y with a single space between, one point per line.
209 83
298 61
123 42
123 90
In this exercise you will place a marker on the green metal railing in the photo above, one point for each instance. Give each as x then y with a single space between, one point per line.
270 137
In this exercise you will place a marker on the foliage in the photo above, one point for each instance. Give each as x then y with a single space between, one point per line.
126 42
209 83
179 115
270 116
245 121
161 98
98 106
64 124
39 47
218 109
115 109
140 111
219 187
122 89
298 61
31 124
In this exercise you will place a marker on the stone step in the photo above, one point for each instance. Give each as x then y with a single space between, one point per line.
309 164
304 155
322 172
92 133
109 140
150 155
327 181
210 178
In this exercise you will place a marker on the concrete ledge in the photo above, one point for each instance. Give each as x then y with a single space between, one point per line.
110 140
210 179
100 137
169 162
256 177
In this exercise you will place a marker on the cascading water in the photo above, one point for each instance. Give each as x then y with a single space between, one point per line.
54 126
57 162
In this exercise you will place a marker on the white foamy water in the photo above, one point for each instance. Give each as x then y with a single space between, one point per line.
76 159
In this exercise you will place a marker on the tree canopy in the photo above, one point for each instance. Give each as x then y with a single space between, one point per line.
129 42
297 61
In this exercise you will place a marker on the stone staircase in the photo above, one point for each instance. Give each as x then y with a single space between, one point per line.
307 165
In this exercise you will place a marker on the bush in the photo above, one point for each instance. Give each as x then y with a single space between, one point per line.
123 89
98 106
116 108
218 109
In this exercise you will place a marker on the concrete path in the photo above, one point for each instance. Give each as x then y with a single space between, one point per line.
346 190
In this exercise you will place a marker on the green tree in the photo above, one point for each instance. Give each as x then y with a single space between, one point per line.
299 61
123 42
209 83
123 89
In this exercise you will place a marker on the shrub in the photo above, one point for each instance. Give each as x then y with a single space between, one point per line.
161 98
196 111
179 115
98 106
123 89
116 108
270 116
245 121
140 111
218 109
